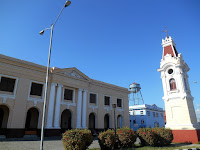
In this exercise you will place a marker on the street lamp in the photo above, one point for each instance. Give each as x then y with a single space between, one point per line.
114 107
67 3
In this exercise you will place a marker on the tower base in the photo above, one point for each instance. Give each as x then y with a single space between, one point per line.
186 136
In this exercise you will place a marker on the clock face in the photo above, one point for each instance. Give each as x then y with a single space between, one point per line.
170 71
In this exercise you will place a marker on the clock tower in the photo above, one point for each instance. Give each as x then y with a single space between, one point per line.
180 112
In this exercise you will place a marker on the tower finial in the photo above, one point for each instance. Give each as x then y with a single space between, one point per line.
166 31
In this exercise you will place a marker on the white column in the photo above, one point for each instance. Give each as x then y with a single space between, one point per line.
79 107
51 106
163 77
57 109
84 109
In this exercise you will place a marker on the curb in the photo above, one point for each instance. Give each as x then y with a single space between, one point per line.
189 149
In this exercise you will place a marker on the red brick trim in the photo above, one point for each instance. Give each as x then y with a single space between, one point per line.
186 136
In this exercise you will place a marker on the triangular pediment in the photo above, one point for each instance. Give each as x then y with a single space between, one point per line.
71 72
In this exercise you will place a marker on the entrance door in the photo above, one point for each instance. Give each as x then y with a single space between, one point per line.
32 121
66 118
106 121
92 121
4 114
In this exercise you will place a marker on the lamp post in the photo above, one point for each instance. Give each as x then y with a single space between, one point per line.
67 3
114 107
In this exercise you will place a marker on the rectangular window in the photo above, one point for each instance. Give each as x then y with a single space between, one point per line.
93 98
141 113
36 89
161 115
107 100
134 121
119 102
142 121
153 114
156 124
156 114
7 84
133 112
68 94
148 113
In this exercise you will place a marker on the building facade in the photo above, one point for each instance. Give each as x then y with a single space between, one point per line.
179 107
146 116
73 100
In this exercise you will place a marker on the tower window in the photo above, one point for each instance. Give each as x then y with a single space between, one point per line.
170 71
172 84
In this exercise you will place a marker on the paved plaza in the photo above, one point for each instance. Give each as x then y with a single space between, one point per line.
53 143
33 144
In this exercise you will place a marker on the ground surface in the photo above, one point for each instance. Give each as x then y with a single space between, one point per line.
55 143
33 143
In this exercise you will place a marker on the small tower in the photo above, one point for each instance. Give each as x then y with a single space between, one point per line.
136 94
180 112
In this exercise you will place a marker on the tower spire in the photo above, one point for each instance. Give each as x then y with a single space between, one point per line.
166 31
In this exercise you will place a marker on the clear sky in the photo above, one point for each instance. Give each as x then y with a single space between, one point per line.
114 41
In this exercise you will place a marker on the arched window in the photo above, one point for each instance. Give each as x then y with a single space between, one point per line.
92 121
32 119
119 121
66 120
106 121
172 84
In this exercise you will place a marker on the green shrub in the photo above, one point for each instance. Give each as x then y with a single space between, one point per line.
164 136
146 136
107 140
77 139
126 137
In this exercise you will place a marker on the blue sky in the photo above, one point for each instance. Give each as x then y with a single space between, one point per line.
113 41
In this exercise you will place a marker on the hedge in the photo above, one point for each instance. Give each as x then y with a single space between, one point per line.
77 139
107 140
146 136
155 136
164 136
126 137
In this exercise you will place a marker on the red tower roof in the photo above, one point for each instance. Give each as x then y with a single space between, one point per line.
169 47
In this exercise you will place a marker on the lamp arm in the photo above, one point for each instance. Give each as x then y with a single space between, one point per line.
58 15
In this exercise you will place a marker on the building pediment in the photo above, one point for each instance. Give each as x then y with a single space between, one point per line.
70 72
74 74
